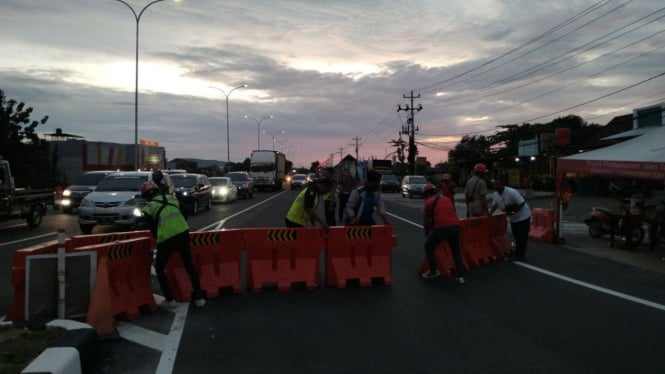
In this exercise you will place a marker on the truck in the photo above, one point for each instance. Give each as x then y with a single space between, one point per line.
268 169
382 166
21 203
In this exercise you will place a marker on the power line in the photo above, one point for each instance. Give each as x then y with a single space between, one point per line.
595 6
598 98
558 59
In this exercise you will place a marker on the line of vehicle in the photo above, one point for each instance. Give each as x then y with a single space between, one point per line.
577 282
220 224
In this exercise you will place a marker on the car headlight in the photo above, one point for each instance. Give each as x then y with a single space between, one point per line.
86 202
137 212
224 191
66 193
184 193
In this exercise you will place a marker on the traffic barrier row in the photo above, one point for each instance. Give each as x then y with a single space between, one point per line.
281 256
542 225
482 240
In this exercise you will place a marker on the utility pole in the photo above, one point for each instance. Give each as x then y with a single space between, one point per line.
357 144
410 127
332 158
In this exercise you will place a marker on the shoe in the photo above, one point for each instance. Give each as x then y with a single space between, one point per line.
460 280
431 274
169 304
200 302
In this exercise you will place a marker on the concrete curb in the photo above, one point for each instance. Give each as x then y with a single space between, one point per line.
74 353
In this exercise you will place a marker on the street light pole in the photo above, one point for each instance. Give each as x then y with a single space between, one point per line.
258 128
136 80
273 137
228 142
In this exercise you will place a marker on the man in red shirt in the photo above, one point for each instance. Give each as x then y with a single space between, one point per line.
441 223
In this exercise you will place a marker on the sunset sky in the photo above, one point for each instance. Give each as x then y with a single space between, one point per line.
328 71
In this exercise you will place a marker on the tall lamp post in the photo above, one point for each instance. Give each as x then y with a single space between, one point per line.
273 137
136 87
228 143
258 128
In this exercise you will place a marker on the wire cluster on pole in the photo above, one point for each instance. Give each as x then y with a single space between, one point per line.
410 127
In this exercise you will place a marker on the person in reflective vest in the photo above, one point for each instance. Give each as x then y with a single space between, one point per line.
364 200
167 224
303 209
440 223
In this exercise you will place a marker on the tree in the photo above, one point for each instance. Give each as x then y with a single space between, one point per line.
21 146
399 145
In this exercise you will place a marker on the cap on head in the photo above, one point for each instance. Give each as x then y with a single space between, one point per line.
480 167
428 189
148 189
446 177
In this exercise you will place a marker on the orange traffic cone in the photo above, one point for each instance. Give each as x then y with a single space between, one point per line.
100 314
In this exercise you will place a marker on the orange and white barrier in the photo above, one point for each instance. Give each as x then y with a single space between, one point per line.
542 225
359 253
216 257
283 256
475 242
17 310
129 280
501 245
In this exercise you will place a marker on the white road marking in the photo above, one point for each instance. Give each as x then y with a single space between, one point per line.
27 239
172 340
140 335
594 287
604 290
218 225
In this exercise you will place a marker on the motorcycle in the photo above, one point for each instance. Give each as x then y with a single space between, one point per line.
599 223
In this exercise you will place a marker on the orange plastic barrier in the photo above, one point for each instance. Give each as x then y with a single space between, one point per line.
283 256
359 253
77 241
17 310
501 245
216 256
475 242
542 225
444 261
129 276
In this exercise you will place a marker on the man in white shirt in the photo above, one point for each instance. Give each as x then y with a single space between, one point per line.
514 205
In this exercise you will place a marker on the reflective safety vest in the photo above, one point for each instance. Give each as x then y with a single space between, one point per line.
170 221
297 213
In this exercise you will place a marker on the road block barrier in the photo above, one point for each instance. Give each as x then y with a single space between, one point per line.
128 267
283 256
17 310
475 242
361 253
501 245
445 262
216 257
77 241
542 225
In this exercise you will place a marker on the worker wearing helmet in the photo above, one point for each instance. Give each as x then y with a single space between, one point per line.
441 223
168 225
475 192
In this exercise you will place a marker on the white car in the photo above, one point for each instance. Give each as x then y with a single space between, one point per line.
223 189
116 201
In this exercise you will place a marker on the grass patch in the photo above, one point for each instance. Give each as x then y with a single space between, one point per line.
19 346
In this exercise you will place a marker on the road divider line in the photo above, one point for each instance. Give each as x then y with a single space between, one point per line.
172 340
219 224
142 336
604 290
30 238
594 287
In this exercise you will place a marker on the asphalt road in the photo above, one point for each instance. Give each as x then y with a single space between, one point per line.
559 311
